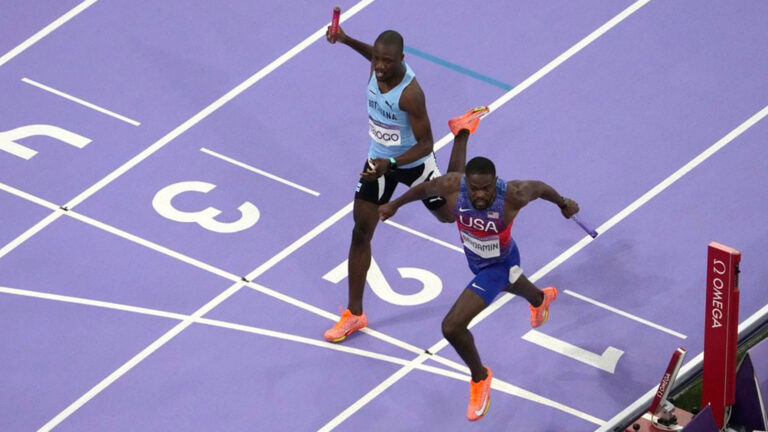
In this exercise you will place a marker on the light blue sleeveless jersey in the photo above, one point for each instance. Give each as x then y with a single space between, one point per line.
388 126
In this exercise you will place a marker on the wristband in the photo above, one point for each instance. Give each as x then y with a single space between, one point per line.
564 205
392 163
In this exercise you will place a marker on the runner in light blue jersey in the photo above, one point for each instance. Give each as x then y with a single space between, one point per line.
389 126
399 151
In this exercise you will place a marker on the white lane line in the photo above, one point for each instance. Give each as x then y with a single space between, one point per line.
688 368
231 326
258 171
505 387
27 196
13 244
112 230
404 345
442 343
525 394
508 388
462 373
685 169
210 322
223 273
178 130
157 344
614 220
549 67
87 193
80 101
175 132
138 358
424 236
280 296
417 364
229 275
500 385
154 246
156 146
293 247
236 287
90 302
372 394
606 361
303 340
209 268
611 222
629 209
625 314
218 103
26 235
45 31
347 349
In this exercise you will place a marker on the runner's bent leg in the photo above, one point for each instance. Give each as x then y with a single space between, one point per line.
526 289
455 329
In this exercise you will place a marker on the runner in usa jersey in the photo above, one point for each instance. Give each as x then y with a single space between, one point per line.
485 207
484 233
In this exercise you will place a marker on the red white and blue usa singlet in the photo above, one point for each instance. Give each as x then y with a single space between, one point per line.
485 236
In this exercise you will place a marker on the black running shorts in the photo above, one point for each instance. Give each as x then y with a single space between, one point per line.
380 190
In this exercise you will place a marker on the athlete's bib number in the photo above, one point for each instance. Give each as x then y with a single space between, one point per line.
384 134
488 247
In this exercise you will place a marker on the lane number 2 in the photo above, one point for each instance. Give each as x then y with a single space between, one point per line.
432 285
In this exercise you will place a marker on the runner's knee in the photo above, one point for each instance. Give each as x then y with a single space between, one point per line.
362 233
451 328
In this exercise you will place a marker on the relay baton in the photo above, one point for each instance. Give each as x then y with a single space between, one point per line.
592 233
334 30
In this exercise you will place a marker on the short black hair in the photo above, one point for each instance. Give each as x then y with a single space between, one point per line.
480 165
391 38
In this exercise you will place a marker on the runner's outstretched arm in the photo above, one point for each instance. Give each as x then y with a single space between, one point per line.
444 186
526 191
